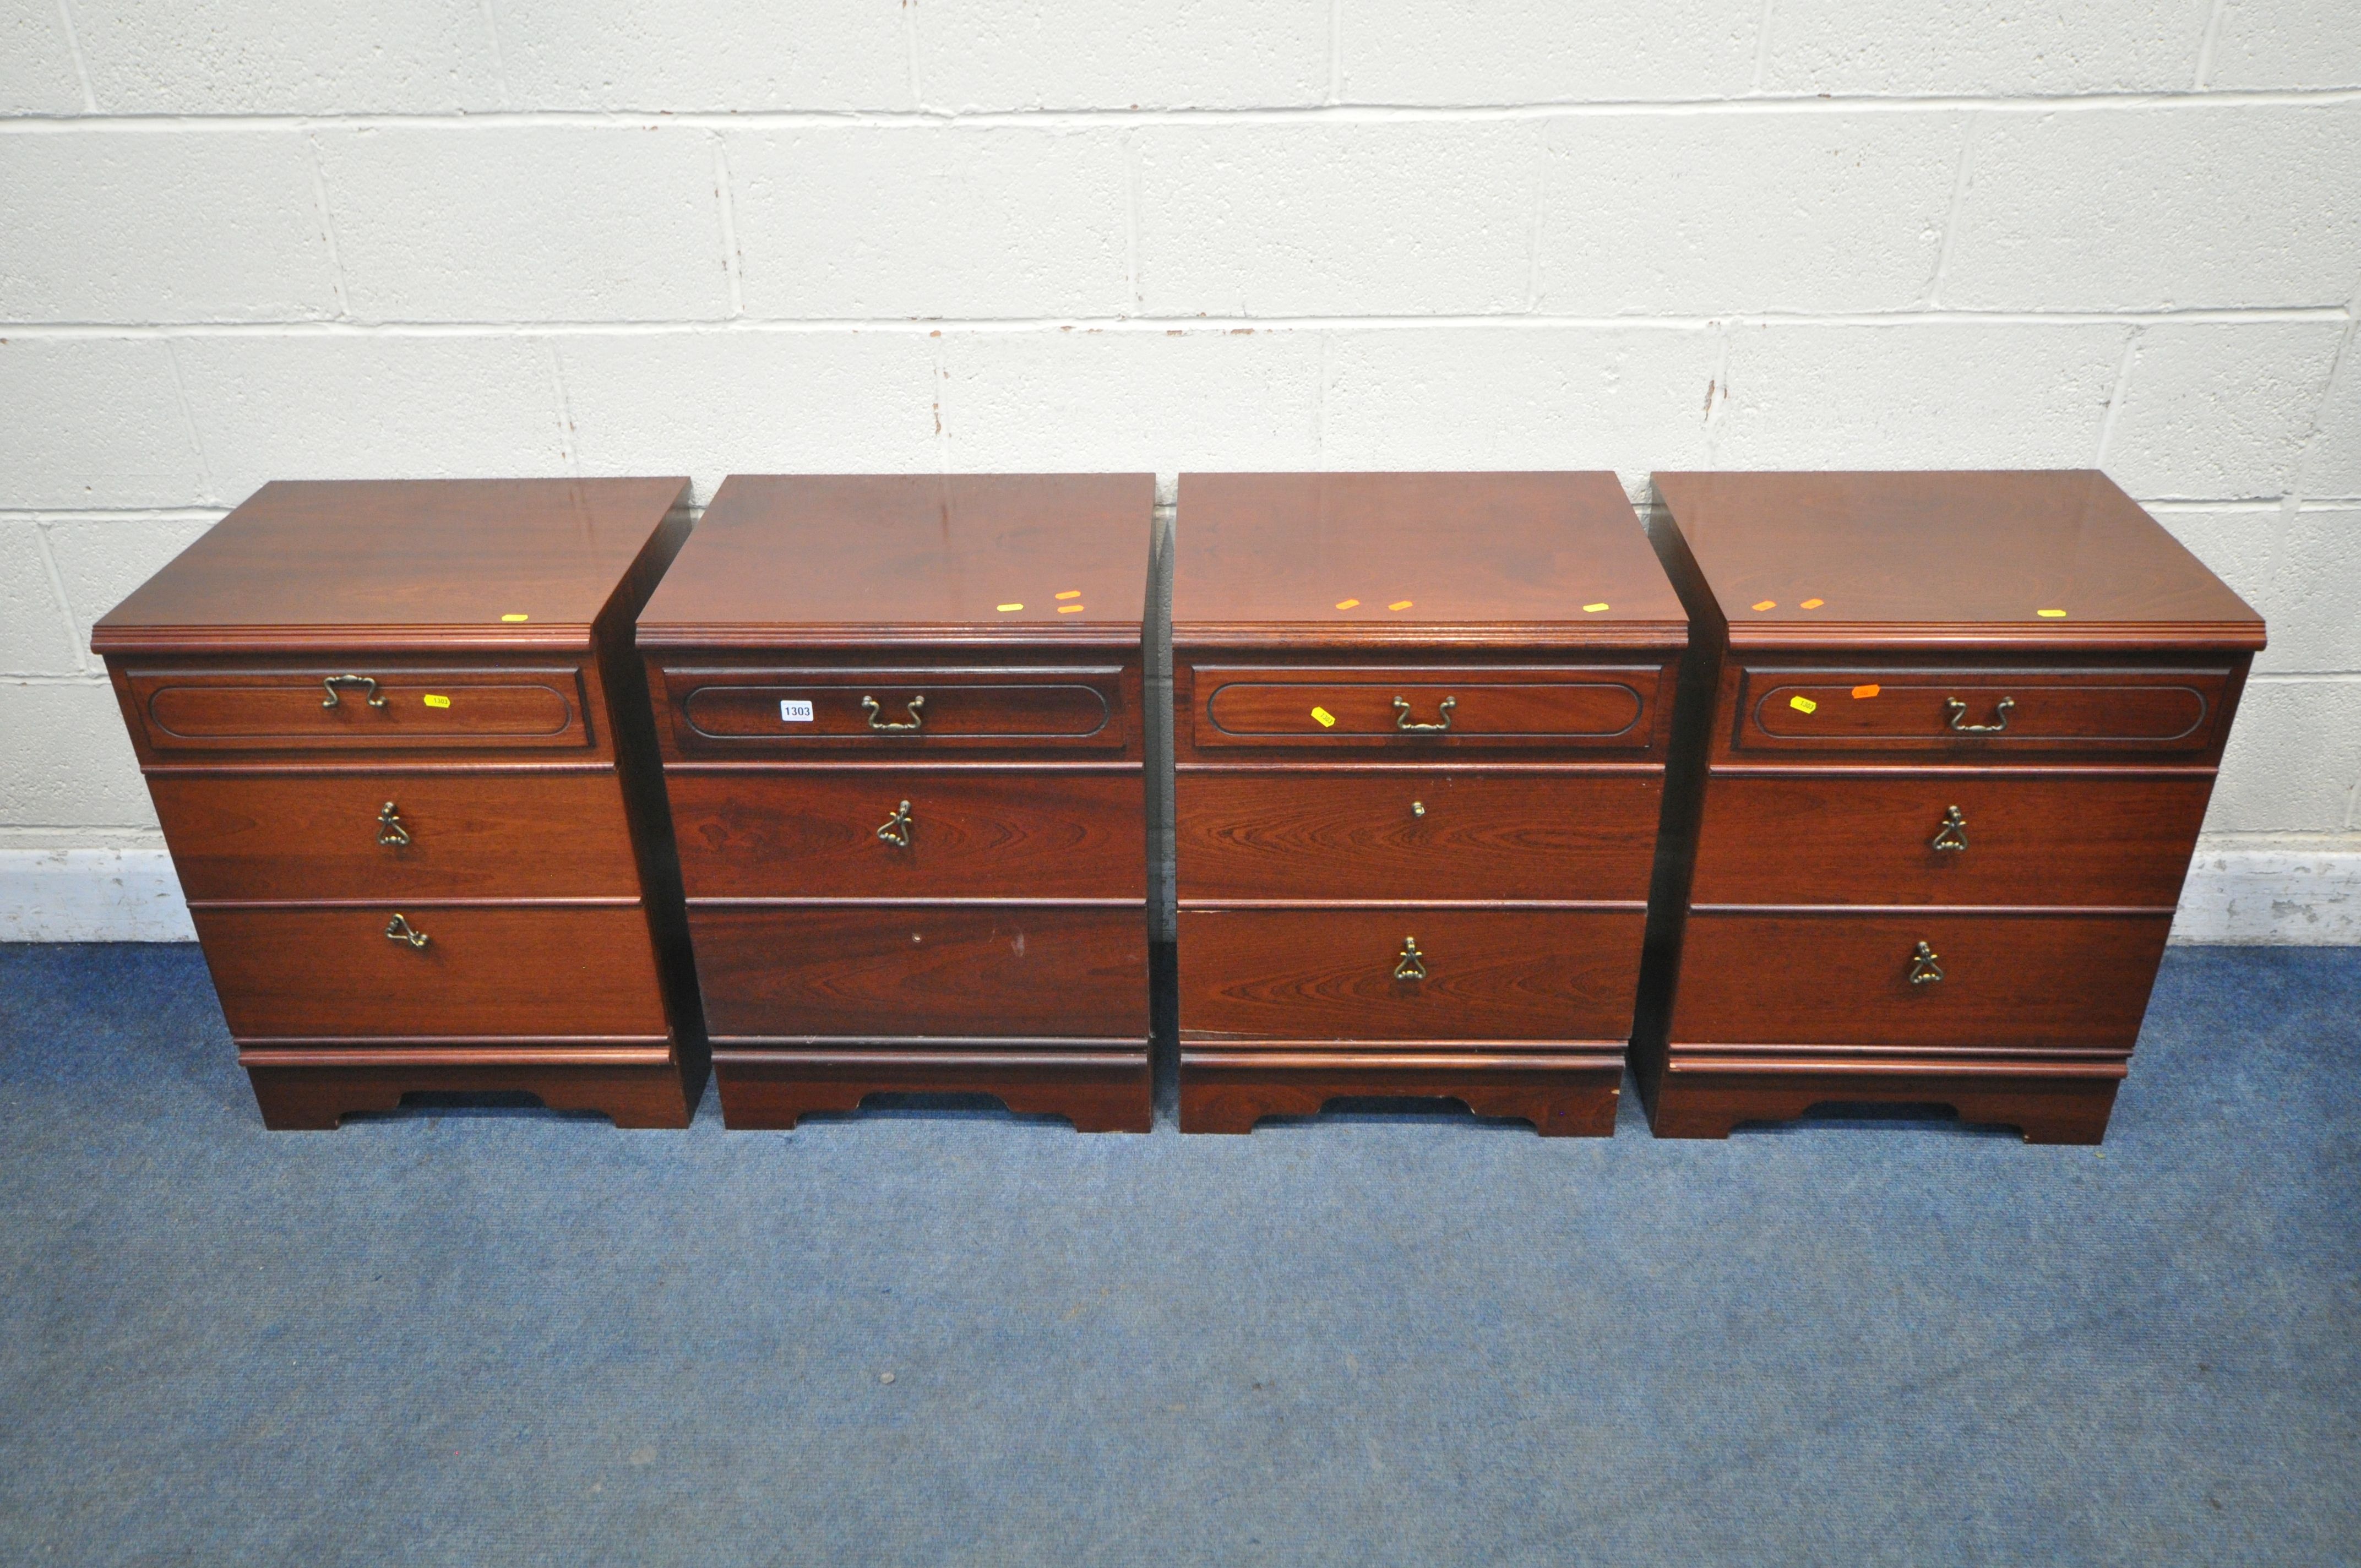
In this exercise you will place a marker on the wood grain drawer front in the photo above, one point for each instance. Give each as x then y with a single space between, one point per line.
736 712
483 974
911 833
360 707
1979 711
1025 970
1329 974
1425 708
1935 838
2008 982
1440 833
318 836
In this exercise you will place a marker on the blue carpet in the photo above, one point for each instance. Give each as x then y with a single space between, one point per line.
507 1336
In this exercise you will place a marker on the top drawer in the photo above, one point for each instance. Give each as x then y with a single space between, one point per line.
753 711
1975 711
1364 707
358 708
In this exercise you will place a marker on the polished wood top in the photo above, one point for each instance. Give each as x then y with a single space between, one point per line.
866 559
1343 560
453 564
2055 558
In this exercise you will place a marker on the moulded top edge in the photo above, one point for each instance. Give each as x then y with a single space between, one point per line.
1497 636
2232 636
553 638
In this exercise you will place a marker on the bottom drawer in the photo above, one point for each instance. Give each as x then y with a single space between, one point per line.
901 971
2007 982
1331 974
485 972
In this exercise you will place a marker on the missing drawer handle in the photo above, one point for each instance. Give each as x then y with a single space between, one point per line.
1952 836
392 831
1958 711
399 929
869 706
1924 968
896 829
1411 964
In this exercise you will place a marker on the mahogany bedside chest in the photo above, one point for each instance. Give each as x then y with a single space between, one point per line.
1420 728
402 754
1944 759
901 726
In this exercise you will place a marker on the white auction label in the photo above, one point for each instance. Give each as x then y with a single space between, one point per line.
795 712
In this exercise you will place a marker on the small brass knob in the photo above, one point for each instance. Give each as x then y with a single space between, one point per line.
1418 808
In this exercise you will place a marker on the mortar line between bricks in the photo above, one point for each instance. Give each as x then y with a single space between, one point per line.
1052 119
1168 325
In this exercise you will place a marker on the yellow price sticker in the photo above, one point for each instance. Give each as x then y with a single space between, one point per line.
1327 719
1006 608
1592 609
434 701
1071 593
1767 604
1347 604
512 619
1803 705
2051 614
1814 604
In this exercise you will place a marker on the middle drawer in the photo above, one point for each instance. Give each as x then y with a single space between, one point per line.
387 834
1422 833
916 832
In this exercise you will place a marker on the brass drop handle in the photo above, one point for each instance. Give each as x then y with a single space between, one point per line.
398 929
1952 836
390 829
366 683
1401 717
1924 968
869 705
896 829
1958 711
1411 963
1418 808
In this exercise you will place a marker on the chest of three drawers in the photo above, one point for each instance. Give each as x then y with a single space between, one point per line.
1947 747
901 731
400 755
1418 790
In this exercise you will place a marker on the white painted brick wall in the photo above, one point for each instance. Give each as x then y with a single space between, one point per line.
247 240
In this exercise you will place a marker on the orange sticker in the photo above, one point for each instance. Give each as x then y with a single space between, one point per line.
1070 610
1803 705
1814 604
1399 604
1768 603
434 701
1327 719
1006 608
1870 690
1071 593
1592 609
1347 604
2051 614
